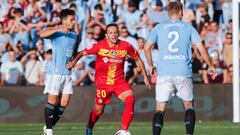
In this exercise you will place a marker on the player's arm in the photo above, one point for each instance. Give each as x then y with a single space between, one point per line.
51 30
143 69
93 49
75 59
152 38
207 59
148 54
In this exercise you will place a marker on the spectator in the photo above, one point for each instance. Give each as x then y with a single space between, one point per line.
189 16
55 14
220 67
11 70
131 17
130 70
125 36
157 14
8 46
202 16
205 30
98 32
20 52
213 38
98 18
81 76
46 67
227 49
32 68
227 11
19 30
40 49
143 28
4 38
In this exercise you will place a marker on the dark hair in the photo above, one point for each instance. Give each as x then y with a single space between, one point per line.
112 25
73 5
19 11
174 7
66 12
49 51
33 49
98 6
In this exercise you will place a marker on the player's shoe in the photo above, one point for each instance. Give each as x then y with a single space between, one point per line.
47 131
88 130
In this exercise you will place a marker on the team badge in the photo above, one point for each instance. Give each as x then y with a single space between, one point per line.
100 100
114 53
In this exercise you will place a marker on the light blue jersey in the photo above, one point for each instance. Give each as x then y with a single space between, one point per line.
174 39
62 51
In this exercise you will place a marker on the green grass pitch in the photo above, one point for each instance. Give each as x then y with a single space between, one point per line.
136 128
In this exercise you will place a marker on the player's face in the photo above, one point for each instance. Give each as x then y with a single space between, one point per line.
69 21
112 34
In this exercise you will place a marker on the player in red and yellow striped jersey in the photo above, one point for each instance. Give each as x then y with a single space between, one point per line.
109 77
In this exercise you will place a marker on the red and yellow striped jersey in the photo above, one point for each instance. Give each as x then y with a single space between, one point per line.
110 61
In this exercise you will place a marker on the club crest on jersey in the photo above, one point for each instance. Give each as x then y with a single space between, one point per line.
114 53
100 100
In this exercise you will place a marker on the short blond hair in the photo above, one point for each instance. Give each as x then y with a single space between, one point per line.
174 8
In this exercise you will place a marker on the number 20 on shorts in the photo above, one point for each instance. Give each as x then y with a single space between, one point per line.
101 93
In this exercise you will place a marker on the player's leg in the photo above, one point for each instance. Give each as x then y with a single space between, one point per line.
128 98
65 92
185 92
49 112
164 91
103 97
157 122
190 117
60 107
95 114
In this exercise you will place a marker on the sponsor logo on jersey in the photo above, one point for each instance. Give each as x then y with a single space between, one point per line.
106 60
174 57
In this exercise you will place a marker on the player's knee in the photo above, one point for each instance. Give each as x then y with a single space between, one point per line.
51 101
99 111
64 104
161 106
129 101
188 105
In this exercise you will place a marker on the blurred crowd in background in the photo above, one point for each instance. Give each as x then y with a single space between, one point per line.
25 57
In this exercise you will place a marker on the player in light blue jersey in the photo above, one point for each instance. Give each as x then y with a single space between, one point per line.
174 70
59 83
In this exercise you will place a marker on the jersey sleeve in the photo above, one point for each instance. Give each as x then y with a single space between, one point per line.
195 37
132 52
54 35
92 49
153 36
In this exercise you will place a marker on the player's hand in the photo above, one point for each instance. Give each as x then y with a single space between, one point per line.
70 64
147 83
152 70
213 72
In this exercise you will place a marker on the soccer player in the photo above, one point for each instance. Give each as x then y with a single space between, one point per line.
174 39
59 84
109 77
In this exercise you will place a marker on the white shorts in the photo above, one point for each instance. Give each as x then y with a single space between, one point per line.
58 84
167 87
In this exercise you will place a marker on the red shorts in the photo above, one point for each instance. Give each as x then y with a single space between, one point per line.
104 92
